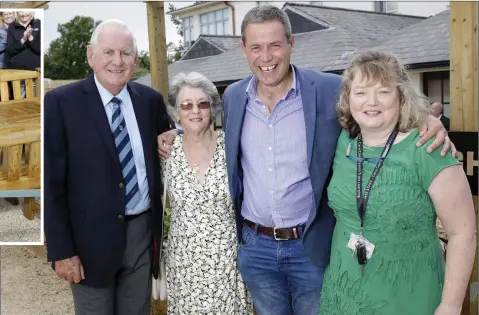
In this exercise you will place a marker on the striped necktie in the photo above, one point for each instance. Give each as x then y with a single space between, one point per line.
125 154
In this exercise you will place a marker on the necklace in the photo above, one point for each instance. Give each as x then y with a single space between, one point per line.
195 168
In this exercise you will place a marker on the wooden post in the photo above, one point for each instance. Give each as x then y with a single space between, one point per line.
159 79
157 39
464 97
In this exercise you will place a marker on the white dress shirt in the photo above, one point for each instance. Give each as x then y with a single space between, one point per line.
135 140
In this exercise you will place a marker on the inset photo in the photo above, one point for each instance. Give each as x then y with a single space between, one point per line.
20 125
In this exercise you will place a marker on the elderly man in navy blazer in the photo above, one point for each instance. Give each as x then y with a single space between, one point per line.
103 210
281 130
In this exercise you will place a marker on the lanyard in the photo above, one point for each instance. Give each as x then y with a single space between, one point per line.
361 202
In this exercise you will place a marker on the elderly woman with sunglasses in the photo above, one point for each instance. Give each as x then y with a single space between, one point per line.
385 192
201 259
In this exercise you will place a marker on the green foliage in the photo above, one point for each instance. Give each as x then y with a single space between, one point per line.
143 67
175 52
144 59
167 223
167 218
176 20
66 56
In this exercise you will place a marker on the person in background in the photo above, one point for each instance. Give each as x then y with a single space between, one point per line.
6 19
3 44
23 42
438 111
386 258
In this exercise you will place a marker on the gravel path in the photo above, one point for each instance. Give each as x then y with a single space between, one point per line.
14 227
29 285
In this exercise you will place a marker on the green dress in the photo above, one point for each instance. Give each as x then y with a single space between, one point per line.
406 271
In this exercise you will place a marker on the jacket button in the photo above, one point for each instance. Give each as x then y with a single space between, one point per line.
120 217
121 185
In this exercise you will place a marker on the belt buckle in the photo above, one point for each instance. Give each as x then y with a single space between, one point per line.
279 238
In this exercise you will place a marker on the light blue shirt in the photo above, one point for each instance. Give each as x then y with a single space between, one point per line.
135 140
277 187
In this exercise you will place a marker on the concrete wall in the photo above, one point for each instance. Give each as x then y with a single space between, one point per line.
196 18
416 78
422 8
241 8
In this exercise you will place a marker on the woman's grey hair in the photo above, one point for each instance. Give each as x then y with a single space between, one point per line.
113 22
193 80
266 13
388 70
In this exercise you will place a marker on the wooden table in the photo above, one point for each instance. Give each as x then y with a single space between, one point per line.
12 112
20 132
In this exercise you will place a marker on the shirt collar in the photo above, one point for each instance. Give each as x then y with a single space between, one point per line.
253 85
106 96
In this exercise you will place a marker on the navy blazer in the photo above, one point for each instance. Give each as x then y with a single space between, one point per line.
319 92
84 201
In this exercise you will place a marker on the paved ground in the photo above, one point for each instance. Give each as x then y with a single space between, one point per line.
14 227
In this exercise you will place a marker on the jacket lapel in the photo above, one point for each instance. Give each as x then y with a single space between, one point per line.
95 106
308 96
236 113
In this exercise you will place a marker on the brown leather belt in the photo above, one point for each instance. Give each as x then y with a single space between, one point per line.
279 234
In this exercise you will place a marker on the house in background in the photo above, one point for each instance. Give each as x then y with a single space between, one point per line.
326 38
224 17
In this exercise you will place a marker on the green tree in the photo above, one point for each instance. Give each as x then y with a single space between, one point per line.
174 52
175 19
144 59
66 56
143 67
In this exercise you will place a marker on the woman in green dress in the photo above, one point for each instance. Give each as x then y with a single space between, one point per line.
386 193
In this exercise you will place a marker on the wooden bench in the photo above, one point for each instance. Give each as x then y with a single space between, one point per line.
20 135
14 78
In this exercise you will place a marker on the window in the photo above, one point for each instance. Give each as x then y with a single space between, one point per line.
188 31
215 23
436 88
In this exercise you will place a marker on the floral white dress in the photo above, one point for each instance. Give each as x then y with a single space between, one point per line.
201 255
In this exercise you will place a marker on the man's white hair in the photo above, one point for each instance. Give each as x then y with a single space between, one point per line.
112 22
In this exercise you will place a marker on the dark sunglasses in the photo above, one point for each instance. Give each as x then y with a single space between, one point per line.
201 105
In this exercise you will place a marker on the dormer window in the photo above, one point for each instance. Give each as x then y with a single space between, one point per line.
215 22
